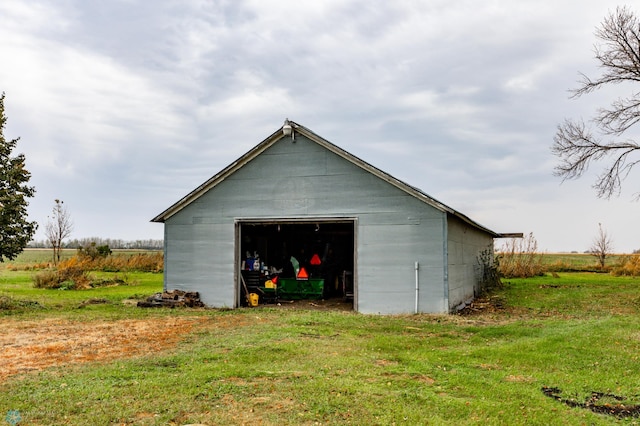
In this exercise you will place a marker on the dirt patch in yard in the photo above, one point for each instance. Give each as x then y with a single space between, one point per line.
335 304
35 345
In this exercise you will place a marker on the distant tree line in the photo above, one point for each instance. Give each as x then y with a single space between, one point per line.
112 243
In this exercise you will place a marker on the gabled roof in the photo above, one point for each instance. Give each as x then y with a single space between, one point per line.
301 130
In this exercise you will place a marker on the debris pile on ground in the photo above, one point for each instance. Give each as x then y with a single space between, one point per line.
598 402
173 299
8 303
94 301
481 305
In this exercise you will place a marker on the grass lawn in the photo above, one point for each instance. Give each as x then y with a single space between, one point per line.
577 334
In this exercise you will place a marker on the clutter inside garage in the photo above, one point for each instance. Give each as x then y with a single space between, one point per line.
283 261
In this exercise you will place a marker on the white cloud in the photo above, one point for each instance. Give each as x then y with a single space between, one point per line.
76 102
125 106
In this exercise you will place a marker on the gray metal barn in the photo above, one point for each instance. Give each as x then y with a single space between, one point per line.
389 246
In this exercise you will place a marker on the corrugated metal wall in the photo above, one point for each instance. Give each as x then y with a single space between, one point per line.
304 180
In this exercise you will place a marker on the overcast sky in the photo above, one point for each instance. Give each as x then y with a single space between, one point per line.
125 106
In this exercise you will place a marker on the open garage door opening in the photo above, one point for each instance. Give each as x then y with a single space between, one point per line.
287 260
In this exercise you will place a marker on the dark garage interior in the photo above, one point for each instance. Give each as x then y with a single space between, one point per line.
283 260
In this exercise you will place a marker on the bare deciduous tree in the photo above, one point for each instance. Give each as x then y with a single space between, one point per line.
602 246
59 227
575 143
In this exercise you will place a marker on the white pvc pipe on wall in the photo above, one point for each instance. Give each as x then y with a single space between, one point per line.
417 286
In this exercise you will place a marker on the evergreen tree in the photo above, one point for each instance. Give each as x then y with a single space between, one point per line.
15 230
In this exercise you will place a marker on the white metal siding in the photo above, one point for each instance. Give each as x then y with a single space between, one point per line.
305 180
465 244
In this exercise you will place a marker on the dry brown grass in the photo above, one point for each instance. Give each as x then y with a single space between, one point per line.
627 265
519 257
36 345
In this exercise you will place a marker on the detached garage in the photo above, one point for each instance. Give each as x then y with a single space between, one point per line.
299 217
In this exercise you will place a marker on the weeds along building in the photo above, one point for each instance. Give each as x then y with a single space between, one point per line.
294 198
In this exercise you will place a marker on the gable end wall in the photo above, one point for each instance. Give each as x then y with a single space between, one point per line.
303 180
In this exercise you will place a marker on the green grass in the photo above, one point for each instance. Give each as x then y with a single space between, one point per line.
17 290
30 256
576 261
582 294
577 332
17 287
